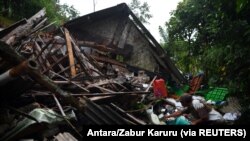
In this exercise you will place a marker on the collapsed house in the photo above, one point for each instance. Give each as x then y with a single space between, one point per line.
89 71
94 70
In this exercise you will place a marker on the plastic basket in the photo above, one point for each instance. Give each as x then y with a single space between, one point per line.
217 94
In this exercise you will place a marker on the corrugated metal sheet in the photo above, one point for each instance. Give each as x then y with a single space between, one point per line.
104 115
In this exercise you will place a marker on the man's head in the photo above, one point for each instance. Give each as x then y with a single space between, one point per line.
186 100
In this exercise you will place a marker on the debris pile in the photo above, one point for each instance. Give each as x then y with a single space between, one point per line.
51 85
56 80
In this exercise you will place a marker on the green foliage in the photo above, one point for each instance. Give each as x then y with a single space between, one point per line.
241 4
163 34
142 11
5 21
18 9
68 12
213 36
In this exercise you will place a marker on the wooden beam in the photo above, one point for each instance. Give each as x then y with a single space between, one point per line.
104 48
108 60
70 52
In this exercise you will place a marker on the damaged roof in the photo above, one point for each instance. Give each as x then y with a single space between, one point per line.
118 27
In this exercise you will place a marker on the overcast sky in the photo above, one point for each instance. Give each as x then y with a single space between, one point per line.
160 9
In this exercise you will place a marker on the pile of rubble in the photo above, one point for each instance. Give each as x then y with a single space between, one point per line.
94 70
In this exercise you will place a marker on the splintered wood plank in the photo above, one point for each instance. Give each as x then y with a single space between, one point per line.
70 52
24 29
84 61
80 60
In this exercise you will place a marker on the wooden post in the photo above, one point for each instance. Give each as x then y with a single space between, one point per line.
70 52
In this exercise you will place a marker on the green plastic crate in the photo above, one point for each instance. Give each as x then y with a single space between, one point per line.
217 94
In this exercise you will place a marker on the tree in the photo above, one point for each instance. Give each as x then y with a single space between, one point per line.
142 11
68 12
213 36
16 9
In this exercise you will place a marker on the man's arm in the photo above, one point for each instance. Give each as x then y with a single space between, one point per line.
175 114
